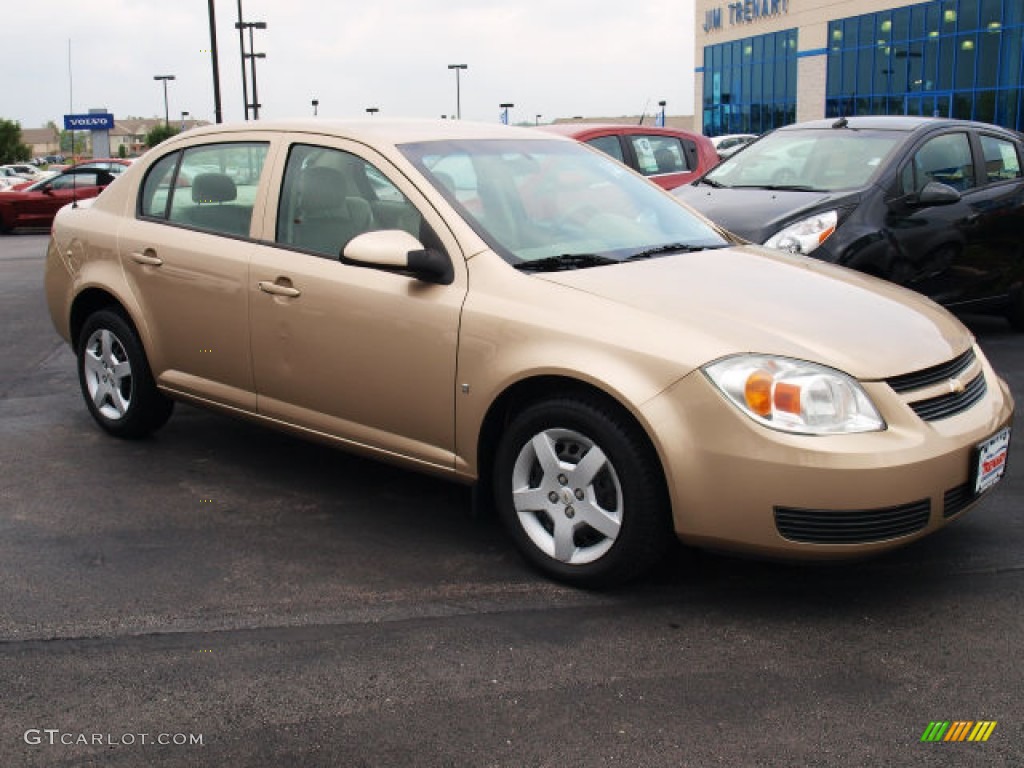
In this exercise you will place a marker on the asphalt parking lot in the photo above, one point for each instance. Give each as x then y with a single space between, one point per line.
224 595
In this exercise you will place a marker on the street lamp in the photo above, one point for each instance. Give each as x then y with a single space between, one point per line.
167 115
241 26
504 115
458 104
372 111
316 103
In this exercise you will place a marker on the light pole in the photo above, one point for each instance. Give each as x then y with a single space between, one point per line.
458 97
372 111
218 113
504 115
251 56
167 115
316 103
241 53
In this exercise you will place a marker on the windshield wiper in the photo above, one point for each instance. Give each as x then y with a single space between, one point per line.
565 261
781 187
674 248
711 183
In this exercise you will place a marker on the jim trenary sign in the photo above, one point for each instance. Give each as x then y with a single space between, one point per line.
743 12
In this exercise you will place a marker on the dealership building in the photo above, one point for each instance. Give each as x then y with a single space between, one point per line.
766 63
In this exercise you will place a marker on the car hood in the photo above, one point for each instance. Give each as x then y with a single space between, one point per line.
751 299
757 214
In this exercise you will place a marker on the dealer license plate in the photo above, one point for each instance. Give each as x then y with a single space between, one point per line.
992 460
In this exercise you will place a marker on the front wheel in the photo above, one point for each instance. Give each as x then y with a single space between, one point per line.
581 493
115 378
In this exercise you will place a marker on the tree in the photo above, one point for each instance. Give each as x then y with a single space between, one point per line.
12 150
160 133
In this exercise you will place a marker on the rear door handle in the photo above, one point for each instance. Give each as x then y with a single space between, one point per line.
278 290
147 257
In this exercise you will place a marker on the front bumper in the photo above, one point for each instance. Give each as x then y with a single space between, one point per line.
736 485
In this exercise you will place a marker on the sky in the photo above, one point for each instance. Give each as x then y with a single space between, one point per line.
553 58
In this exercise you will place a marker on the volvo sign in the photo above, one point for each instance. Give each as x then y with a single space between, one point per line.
99 121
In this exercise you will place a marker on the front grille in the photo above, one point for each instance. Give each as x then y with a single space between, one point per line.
955 500
934 375
861 526
944 406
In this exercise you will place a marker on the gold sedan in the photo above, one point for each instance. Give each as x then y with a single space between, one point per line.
506 307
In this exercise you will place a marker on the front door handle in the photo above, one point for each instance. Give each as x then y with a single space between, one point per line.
278 290
147 258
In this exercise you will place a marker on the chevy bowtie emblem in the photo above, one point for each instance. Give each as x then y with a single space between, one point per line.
956 387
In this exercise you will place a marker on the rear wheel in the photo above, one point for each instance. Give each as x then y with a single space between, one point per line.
581 493
115 378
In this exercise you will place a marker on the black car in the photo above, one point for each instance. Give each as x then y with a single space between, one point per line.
936 205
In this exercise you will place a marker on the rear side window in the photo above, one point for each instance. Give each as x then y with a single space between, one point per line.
1002 162
659 154
211 187
156 190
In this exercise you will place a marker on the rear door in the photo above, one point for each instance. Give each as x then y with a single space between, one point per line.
186 257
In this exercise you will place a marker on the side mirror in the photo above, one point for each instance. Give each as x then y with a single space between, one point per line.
936 193
396 250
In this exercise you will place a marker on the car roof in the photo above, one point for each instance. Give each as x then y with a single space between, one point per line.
374 130
904 123
575 130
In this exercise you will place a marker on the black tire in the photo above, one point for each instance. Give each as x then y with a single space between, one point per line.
115 378
620 488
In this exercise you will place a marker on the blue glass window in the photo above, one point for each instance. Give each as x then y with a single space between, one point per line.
959 58
750 84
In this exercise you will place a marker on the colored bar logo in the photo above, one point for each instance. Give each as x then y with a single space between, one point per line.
958 730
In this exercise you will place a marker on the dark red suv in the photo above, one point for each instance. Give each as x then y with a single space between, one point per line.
670 157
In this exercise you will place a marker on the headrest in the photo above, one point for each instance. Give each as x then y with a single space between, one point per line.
323 190
213 188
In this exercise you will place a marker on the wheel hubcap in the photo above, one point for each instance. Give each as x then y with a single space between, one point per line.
567 496
108 374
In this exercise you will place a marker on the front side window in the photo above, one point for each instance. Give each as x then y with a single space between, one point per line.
329 196
609 145
945 159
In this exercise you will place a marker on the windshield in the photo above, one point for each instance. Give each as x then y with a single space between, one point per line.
541 200
824 160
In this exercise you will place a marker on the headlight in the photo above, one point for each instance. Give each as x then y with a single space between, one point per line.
795 396
805 235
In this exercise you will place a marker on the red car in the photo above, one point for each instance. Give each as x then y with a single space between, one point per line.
668 156
37 204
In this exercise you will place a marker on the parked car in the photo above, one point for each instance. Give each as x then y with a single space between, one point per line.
25 170
36 204
503 306
116 165
936 205
731 143
668 156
